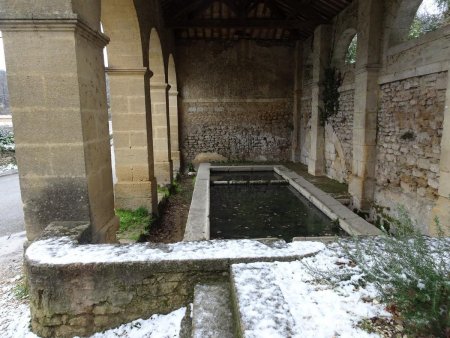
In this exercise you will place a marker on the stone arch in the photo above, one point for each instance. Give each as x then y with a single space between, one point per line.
173 114
342 47
129 97
159 90
402 20
121 25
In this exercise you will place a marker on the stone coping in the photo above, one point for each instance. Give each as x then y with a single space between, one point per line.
348 220
66 244
198 225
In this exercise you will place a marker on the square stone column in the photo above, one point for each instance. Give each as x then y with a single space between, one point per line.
58 99
297 114
441 211
322 49
161 133
133 144
174 137
362 182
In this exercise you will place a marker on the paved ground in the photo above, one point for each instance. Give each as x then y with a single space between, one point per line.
11 214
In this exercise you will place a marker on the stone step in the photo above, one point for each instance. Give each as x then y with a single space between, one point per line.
260 307
212 311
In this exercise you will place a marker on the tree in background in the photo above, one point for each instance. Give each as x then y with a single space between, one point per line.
425 22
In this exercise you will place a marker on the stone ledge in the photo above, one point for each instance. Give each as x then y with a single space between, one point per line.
348 220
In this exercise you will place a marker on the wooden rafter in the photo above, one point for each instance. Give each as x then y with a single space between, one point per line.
242 24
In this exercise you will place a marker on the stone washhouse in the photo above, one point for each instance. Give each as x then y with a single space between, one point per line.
236 79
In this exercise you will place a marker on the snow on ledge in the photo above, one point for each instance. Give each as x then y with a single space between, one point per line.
65 251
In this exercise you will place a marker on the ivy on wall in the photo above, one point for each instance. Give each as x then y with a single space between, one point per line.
331 83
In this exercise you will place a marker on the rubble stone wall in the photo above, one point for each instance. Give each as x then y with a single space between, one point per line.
236 99
410 123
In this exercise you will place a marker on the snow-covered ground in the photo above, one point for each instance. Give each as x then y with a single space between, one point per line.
272 297
7 168
310 307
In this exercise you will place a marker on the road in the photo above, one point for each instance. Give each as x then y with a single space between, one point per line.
11 213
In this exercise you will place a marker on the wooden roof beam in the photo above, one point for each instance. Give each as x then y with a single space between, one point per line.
242 24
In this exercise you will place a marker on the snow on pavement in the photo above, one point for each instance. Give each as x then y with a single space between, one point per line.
318 309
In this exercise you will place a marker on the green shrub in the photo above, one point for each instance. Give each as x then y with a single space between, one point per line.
21 290
411 273
6 139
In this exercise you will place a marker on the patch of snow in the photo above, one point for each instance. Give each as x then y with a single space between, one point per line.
62 251
15 324
8 167
318 309
157 326
12 243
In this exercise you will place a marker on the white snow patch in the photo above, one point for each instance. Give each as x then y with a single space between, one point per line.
157 326
318 309
12 243
6 168
15 324
61 251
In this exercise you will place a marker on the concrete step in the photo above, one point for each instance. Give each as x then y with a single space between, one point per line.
260 307
212 311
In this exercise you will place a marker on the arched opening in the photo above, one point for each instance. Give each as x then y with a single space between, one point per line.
417 17
350 55
160 112
345 50
431 15
173 115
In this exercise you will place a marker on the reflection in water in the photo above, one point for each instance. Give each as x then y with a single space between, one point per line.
260 211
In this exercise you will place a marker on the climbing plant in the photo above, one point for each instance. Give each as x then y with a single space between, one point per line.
332 81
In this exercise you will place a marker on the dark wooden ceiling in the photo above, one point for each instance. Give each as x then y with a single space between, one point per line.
249 19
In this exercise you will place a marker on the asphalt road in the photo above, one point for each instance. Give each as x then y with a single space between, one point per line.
11 213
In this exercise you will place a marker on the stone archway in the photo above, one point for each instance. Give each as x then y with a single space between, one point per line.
160 112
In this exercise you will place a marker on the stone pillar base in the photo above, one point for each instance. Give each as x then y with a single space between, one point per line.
361 190
133 195
441 212
315 168
107 234
164 172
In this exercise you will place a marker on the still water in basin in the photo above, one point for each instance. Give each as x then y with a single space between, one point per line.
260 211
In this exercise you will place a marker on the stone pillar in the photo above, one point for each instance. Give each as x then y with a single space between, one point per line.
322 49
297 114
362 183
441 211
161 133
58 98
174 137
133 145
